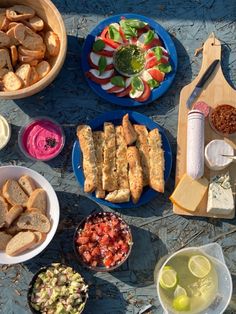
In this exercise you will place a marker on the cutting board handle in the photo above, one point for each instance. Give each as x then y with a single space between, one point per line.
211 52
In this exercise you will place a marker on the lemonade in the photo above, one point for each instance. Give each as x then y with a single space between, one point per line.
188 283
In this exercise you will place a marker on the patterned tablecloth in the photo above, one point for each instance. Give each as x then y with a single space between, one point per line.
69 100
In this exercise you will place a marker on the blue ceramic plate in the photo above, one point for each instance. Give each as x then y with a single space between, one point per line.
127 101
116 118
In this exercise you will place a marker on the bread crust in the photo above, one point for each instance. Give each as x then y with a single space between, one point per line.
135 173
34 221
52 42
38 199
121 159
21 242
27 184
109 177
3 211
143 147
118 196
13 213
19 12
129 132
84 134
98 139
14 193
157 161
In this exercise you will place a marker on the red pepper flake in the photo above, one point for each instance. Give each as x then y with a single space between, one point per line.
50 142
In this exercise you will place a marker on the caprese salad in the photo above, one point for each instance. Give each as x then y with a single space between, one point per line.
128 59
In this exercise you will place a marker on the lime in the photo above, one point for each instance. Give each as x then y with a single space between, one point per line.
168 279
199 266
181 303
179 291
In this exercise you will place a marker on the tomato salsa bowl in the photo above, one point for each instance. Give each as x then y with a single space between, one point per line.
102 241
129 60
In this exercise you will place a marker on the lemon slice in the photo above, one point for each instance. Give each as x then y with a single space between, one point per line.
179 291
181 303
168 279
199 266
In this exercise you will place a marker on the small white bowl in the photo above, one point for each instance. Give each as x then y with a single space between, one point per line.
7 139
53 210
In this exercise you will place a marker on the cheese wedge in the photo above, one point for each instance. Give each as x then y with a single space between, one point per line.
189 192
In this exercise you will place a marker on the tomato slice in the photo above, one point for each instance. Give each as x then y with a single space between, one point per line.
145 29
125 92
96 79
115 89
94 66
146 93
156 74
105 53
155 42
104 32
111 42
151 62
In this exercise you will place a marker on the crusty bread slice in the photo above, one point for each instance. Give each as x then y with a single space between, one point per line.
21 242
13 229
34 221
3 211
14 193
40 237
27 184
12 214
38 199
4 239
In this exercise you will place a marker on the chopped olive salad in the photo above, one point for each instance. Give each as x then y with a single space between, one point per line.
128 60
59 289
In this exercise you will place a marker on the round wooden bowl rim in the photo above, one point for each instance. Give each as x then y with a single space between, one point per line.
44 82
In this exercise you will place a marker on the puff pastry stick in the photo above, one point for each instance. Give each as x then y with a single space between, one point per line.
121 159
118 196
98 139
143 147
109 178
85 136
157 162
135 173
129 132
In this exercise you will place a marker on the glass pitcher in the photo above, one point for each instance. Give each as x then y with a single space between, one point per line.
214 253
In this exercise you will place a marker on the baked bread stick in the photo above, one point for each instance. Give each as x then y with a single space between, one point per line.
98 139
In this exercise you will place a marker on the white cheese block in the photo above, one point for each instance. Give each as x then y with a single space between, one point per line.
220 196
213 154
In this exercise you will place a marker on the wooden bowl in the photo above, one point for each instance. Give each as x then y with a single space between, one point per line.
53 20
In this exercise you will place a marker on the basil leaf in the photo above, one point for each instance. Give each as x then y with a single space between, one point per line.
98 45
128 30
102 63
165 68
118 81
137 84
135 23
149 37
158 53
153 83
113 33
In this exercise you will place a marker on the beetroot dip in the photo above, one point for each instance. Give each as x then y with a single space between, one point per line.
42 139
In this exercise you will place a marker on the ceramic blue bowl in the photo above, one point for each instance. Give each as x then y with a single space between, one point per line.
127 101
116 118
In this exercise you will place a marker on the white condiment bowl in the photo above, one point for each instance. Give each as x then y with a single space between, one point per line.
8 136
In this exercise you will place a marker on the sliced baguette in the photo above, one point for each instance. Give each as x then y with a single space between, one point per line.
14 193
12 214
38 199
34 221
3 211
40 237
4 239
27 184
21 242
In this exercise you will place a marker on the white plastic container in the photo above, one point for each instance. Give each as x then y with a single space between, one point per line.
225 286
195 144
5 132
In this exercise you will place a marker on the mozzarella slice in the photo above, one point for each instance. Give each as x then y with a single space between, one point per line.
213 154
117 27
119 90
135 94
95 58
146 76
128 81
107 86
141 39
104 75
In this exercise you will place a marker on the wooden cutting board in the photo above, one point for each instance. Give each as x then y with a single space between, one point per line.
216 91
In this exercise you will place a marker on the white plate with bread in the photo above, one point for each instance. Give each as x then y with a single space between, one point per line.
29 214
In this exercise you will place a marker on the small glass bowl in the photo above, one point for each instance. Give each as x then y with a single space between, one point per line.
100 268
9 131
214 128
31 285
125 73
26 127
